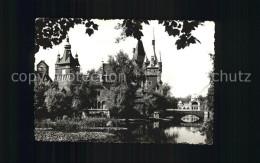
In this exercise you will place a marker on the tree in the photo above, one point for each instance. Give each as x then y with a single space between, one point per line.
185 99
172 102
58 103
210 95
126 84
201 98
207 128
51 31
82 92
155 101
39 96
166 89
174 28
124 69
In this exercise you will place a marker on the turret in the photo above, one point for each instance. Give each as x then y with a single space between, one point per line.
76 56
67 45
160 62
58 58
153 43
152 61
147 62
139 53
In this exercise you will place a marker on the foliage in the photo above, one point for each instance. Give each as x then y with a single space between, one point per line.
45 123
201 98
155 101
210 95
122 65
124 90
166 89
172 101
83 93
184 99
207 129
57 102
180 29
67 125
39 89
72 125
51 31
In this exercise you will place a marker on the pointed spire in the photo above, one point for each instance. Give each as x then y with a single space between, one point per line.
76 56
160 56
58 57
153 43
67 44
139 53
153 34
147 60
68 41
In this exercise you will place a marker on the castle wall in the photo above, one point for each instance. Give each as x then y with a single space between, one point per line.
58 70
151 82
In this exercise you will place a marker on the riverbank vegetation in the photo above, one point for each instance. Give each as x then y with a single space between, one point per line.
74 125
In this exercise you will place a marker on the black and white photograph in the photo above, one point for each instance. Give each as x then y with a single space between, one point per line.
129 81
124 81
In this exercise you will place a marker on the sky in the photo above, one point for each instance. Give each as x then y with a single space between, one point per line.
185 70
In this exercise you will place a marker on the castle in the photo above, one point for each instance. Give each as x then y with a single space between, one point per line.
42 72
152 72
68 65
193 104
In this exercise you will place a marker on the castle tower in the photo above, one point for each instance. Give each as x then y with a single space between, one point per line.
153 71
66 66
153 43
42 72
42 67
160 62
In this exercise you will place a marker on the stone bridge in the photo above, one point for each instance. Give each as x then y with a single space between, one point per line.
179 113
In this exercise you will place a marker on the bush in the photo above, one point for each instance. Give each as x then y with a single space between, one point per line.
125 113
67 126
114 112
95 122
47 123
72 125
130 113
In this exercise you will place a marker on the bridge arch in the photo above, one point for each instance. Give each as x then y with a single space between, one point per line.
178 114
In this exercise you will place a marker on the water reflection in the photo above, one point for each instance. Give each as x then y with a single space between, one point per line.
161 132
190 118
189 135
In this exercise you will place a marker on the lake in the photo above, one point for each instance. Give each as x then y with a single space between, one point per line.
188 130
162 132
